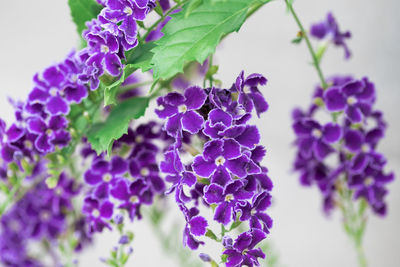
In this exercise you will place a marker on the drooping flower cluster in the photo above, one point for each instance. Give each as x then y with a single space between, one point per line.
42 121
109 36
41 125
226 172
329 30
343 152
41 214
129 180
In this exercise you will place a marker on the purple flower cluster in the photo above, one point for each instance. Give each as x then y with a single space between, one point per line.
108 36
40 214
126 182
343 153
226 172
41 125
329 29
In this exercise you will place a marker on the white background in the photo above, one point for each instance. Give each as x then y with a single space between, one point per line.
35 34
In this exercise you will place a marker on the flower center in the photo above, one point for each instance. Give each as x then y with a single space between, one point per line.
253 212
364 148
228 197
58 191
49 131
15 226
139 139
144 172
28 144
96 213
245 252
53 91
368 181
317 133
220 160
128 10
44 215
104 49
74 78
133 199
246 89
182 108
351 100
107 178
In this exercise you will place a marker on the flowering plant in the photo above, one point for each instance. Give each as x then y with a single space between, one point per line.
85 156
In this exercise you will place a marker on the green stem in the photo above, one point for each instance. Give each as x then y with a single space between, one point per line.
310 48
362 259
353 220
211 79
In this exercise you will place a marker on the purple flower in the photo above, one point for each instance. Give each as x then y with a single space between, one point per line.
330 29
179 110
142 167
243 252
369 180
249 95
254 212
49 93
222 155
91 73
98 213
103 52
218 121
74 89
176 173
50 133
226 198
317 139
103 174
355 98
125 13
189 240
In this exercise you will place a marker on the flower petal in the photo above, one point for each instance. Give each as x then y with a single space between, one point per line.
192 122
334 99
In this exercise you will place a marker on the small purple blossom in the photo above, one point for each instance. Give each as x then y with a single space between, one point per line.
329 29
243 251
180 111
355 98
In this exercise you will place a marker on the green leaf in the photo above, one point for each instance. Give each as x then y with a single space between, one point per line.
110 92
210 234
140 57
191 6
211 71
102 135
83 11
298 38
137 58
235 225
320 52
196 37
224 258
